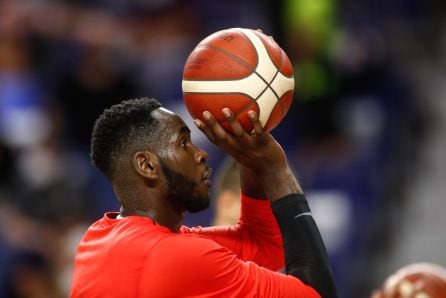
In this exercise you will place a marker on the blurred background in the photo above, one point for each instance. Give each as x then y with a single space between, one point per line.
365 134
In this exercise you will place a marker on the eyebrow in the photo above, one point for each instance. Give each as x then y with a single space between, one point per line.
184 129
175 137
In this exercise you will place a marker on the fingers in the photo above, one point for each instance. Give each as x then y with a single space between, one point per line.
246 148
211 128
205 129
236 127
215 132
258 129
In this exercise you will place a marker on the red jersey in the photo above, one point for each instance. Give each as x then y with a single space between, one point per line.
136 257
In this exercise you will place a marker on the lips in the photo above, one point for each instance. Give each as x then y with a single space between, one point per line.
207 174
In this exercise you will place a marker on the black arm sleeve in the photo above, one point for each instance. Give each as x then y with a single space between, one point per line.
305 254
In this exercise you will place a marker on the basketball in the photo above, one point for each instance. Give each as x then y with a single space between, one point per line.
415 280
242 69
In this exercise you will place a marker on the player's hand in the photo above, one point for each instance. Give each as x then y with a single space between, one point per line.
257 150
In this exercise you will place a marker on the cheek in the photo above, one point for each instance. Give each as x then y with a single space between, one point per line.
185 162
186 167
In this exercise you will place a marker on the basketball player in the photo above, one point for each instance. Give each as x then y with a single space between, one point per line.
158 174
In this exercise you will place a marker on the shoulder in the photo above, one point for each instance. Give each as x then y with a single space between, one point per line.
191 261
191 246
199 266
128 236
191 252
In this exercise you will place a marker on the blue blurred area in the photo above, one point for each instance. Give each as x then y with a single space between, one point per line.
354 124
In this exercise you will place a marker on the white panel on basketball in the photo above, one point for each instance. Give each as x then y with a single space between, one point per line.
282 84
265 67
266 105
252 85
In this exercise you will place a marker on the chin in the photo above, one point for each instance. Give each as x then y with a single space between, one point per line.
199 205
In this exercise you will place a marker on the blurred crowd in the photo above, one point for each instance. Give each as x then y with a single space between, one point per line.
352 134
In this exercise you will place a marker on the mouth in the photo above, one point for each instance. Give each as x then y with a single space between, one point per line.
207 174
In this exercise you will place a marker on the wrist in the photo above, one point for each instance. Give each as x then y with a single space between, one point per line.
279 183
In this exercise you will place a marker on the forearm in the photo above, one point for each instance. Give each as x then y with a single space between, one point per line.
305 254
272 184
250 184
278 183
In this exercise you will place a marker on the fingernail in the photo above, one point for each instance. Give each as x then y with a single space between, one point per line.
226 112
251 114
206 115
197 123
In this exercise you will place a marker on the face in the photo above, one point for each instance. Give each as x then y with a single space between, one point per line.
183 164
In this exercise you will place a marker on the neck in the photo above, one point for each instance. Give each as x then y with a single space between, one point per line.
168 218
149 202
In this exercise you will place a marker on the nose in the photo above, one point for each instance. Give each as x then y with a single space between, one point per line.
201 156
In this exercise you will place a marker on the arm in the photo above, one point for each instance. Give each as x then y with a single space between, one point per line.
249 183
256 237
198 267
305 255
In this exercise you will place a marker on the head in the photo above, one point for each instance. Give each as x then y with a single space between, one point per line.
419 280
227 201
145 151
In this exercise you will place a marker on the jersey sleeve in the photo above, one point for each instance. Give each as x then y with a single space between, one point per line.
256 237
194 266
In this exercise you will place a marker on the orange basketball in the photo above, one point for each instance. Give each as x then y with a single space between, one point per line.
241 69
415 280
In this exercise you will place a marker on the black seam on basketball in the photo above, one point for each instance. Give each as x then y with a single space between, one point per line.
266 49
282 53
252 44
242 62
268 85
258 60
263 91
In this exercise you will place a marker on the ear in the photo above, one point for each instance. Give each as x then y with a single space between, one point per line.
146 164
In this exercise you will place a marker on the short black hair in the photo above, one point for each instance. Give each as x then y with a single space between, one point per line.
128 125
